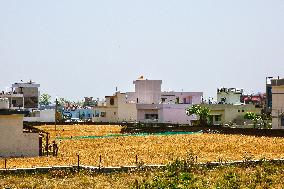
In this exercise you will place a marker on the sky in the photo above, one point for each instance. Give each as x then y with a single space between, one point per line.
89 47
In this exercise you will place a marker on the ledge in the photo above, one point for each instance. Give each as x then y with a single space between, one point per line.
11 112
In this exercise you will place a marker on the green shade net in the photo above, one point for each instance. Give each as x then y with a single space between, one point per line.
124 135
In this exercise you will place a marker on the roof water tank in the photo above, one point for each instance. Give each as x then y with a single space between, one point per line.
4 103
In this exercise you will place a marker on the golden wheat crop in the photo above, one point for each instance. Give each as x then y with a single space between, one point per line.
80 130
119 151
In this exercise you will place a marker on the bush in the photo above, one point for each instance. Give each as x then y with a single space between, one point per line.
230 180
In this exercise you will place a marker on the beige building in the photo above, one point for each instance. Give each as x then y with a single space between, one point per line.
13 141
222 114
277 112
115 109
229 109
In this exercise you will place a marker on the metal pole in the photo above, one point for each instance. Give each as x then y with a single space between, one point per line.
23 102
136 159
78 158
100 163
55 121
46 145
5 163
278 119
267 100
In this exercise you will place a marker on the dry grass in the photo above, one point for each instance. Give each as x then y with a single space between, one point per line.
259 176
81 180
120 151
80 130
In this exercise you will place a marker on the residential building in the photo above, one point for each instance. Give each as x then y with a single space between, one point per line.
24 95
268 95
222 114
30 93
229 109
45 115
147 104
258 100
84 114
277 103
229 95
115 109
13 141
15 99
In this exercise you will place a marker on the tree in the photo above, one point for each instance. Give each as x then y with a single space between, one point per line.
44 99
253 116
62 102
59 117
201 112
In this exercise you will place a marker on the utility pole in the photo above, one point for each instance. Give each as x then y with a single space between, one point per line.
267 90
55 121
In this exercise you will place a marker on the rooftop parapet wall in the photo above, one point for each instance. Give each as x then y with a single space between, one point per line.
277 82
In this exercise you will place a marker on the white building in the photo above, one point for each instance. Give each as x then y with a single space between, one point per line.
229 96
13 141
46 115
23 95
277 103
147 104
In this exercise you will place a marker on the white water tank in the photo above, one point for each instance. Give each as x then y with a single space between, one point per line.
4 103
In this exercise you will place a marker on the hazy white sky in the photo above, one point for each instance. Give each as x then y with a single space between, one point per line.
87 48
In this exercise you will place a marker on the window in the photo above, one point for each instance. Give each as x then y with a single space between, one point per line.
111 101
164 100
97 114
217 117
282 121
114 113
14 102
103 114
151 116
243 110
177 100
239 110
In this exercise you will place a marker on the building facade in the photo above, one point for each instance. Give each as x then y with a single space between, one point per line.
147 104
277 103
227 114
229 109
229 95
24 95
13 141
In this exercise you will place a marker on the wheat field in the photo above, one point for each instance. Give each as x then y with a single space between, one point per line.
151 149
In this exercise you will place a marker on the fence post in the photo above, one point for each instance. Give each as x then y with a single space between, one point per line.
78 161
5 163
136 159
136 184
100 162
46 145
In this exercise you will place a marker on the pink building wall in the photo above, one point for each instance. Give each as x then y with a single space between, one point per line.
175 113
148 91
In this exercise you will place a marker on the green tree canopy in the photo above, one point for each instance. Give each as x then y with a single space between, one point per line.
201 112
254 117
44 99
62 101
